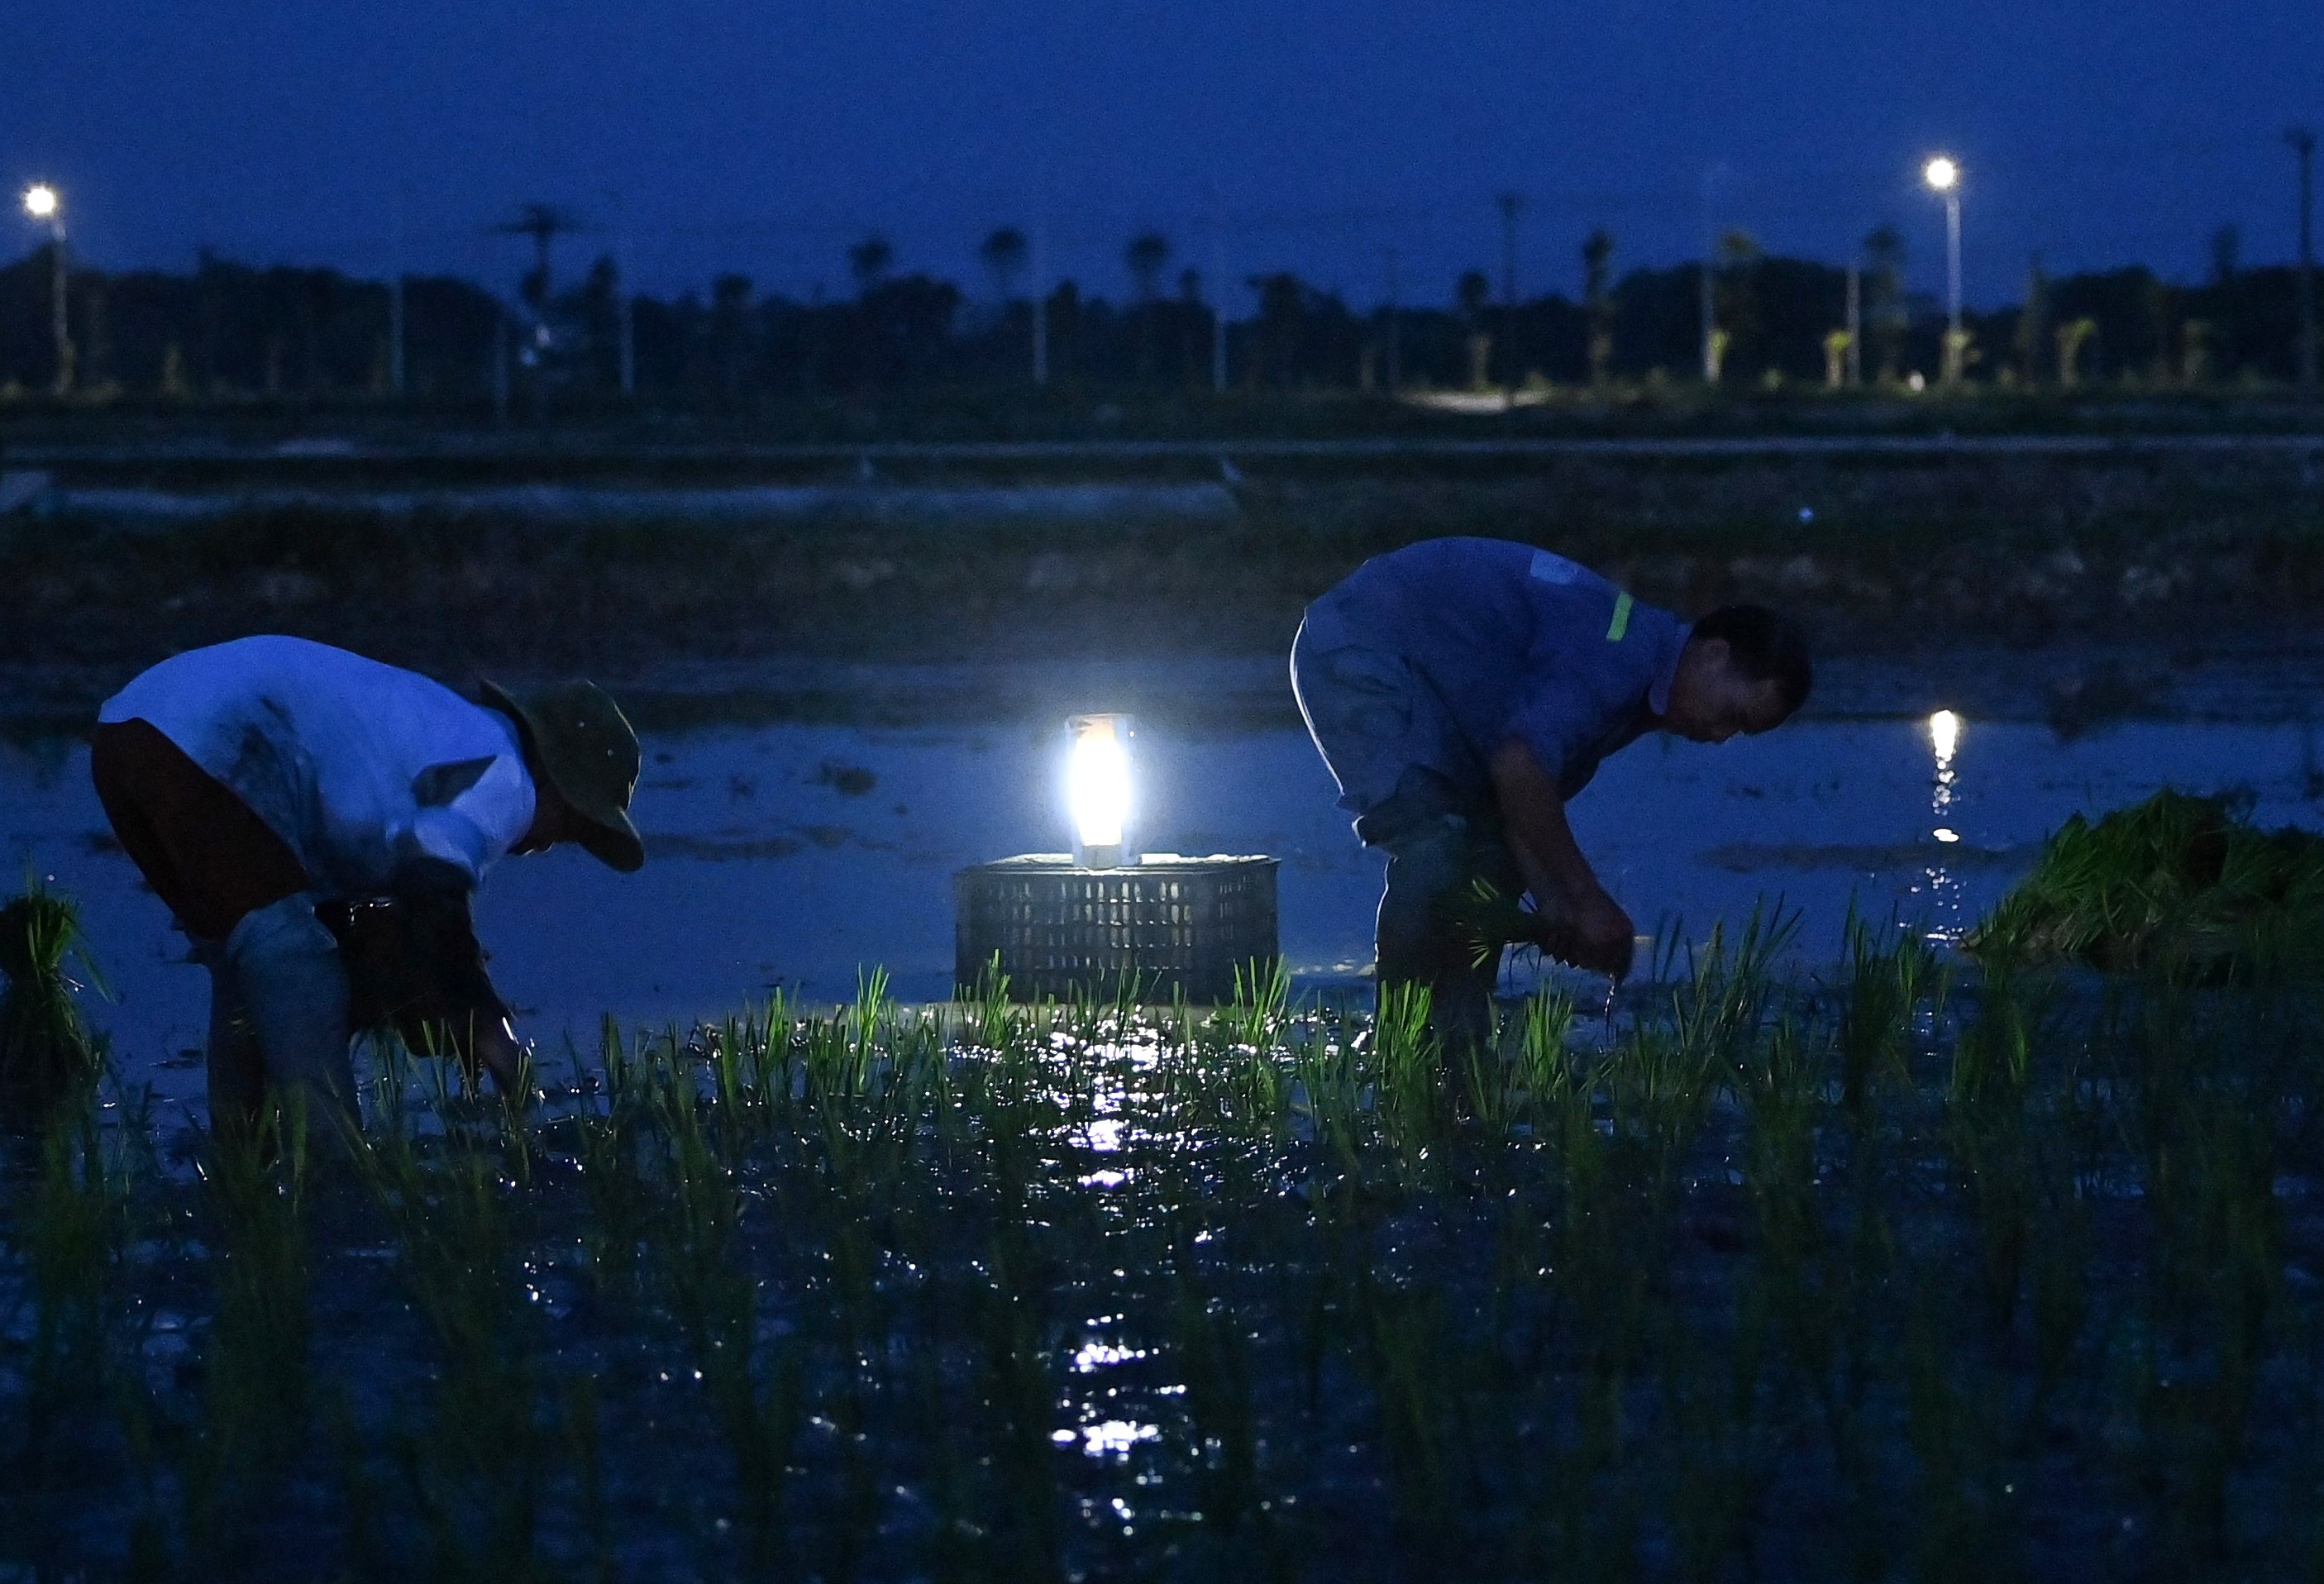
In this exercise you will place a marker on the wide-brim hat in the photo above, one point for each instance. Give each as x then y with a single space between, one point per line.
578 738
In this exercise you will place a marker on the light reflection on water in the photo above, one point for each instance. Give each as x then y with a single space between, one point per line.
1946 922
792 855
1104 1381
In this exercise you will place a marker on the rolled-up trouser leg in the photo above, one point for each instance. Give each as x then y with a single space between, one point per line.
293 984
1429 864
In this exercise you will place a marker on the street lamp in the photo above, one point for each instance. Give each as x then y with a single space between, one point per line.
45 205
1944 176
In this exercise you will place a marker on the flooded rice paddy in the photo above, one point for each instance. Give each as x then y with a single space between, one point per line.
1873 1274
1832 1256
800 857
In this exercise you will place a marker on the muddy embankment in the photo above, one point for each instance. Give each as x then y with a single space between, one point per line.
1879 556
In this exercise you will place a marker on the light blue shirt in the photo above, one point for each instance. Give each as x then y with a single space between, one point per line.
362 768
1515 642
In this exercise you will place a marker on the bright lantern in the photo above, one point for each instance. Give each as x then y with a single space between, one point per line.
1097 788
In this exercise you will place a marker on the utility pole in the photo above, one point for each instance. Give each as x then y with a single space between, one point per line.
2303 140
1705 309
395 335
1041 302
1510 203
1956 342
625 318
59 325
395 304
501 367
628 308
1218 294
1855 323
1395 330
44 203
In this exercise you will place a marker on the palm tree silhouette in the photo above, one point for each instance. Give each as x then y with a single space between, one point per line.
1147 255
869 261
1003 255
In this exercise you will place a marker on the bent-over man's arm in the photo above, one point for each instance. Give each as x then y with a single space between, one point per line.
1533 816
459 1002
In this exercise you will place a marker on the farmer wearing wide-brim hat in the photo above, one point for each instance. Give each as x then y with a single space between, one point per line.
317 822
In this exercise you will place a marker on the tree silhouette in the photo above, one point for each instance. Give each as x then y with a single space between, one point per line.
1147 255
228 331
730 333
1003 255
868 261
2227 255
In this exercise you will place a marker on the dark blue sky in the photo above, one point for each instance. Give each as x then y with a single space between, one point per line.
766 138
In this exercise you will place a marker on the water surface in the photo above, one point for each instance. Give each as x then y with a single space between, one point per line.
798 856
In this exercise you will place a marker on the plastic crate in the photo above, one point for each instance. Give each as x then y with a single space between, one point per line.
1168 923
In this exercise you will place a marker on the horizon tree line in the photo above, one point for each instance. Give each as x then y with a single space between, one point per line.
229 331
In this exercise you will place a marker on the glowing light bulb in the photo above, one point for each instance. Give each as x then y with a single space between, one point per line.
1944 735
1097 789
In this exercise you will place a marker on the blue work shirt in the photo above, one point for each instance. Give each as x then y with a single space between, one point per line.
1512 643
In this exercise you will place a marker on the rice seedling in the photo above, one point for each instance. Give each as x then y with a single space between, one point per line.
1899 1267
47 1053
255 1382
2176 881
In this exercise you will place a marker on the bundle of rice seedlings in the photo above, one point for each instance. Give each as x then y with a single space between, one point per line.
1488 921
46 1050
2177 882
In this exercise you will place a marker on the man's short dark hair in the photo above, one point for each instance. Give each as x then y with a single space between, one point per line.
1764 647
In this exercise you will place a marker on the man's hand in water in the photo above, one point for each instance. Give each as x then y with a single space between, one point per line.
1604 935
1600 934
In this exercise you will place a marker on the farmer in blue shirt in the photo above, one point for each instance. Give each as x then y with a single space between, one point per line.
1463 690
317 822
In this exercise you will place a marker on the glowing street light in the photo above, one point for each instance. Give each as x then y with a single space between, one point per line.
1943 175
1098 790
44 203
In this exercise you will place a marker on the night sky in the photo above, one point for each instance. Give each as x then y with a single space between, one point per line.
766 138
